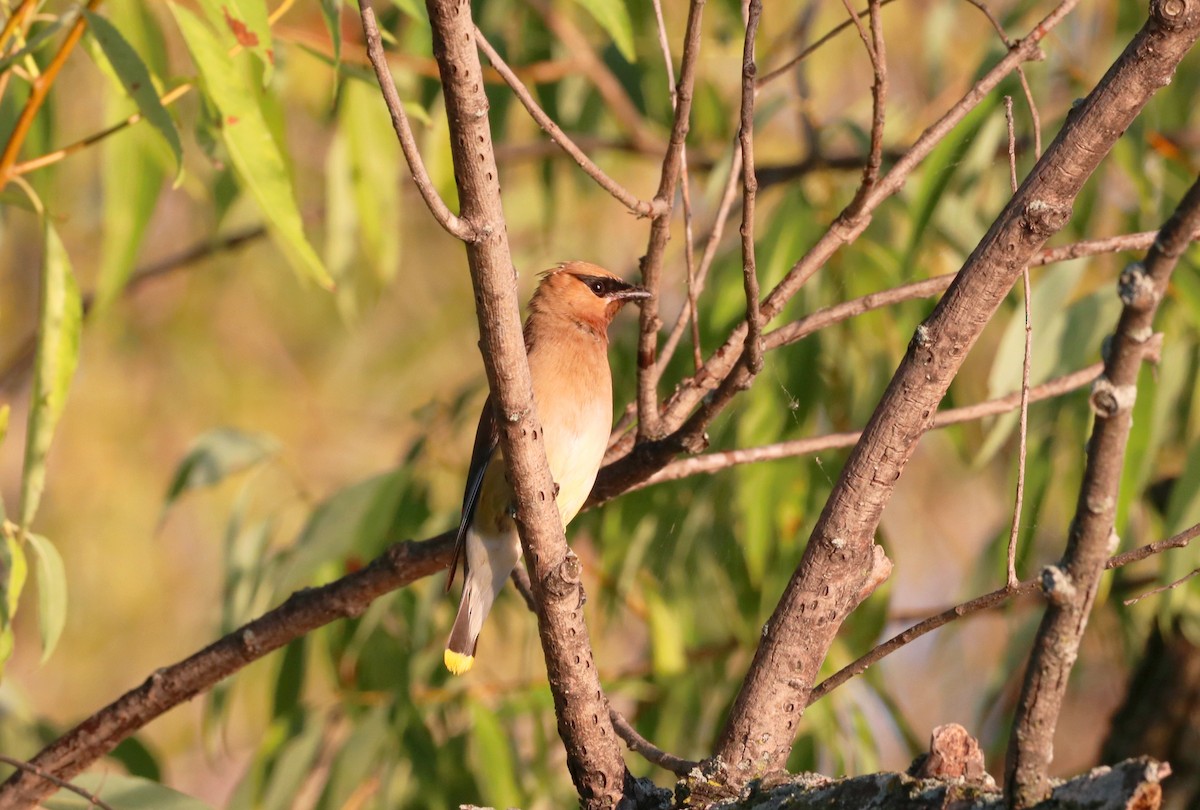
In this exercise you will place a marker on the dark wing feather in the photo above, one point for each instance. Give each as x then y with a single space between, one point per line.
486 439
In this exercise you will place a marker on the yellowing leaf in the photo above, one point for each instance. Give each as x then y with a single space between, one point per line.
246 23
254 153
59 322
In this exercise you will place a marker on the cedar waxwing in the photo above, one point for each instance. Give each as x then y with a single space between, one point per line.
566 338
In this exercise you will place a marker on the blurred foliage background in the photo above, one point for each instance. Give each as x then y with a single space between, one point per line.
235 431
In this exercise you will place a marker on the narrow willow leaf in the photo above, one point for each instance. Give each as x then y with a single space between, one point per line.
52 591
246 23
216 455
13 573
375 177
135 78
613 17
331 11
493 758
59 322
254 153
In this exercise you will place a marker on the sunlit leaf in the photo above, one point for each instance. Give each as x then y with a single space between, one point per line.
13 573
666 637
350 774
244 23
293 764
252 149
52 591
59 321
125 792
216 455
613 17
135 78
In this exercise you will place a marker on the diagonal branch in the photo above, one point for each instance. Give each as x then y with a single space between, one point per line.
841 558
1071 584
437 206
622 194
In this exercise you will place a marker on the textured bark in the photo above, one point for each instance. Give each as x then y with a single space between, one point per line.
1071 585
1161 714
593 752
168 687
838 559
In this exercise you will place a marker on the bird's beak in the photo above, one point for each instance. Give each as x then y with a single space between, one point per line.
630 293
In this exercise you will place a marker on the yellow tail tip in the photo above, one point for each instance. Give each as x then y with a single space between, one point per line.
458 663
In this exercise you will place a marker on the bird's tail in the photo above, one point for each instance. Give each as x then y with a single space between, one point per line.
460 647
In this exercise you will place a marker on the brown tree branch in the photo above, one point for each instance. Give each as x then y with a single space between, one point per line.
638 206
725 373
303 612
21 765
979 603
1073 582
754 347
840 555
660 229
454 225
715 462
593 754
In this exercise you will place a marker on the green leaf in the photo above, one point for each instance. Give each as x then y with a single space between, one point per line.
13 572
59 322
254 153
666 637
125 792
135 78
138 759
493 758
43 35
52 591
331 11
216 455
244 23
613 17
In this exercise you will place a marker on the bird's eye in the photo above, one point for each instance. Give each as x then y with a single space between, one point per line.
597 287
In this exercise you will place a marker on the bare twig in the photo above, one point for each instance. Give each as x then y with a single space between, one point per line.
987 601
1023 431
660 229
724 374
771 76
1163 588
1072 584
840 555
638 206
21 765
648 750
38 91
437 206
754 347
15 19
715 462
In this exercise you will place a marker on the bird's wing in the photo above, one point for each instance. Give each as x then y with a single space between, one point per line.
486 439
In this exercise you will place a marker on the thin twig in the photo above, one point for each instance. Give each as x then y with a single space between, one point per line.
1023 433
455 226
989 600
1162 588
648 750
14 20
660 230
877 53
38 91
809 50
638 206
714 462
22 765
754 346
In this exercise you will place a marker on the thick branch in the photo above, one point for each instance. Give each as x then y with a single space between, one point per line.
1073 581
593 754
839 555
303 612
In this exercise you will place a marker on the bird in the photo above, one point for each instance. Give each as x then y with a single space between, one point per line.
566 339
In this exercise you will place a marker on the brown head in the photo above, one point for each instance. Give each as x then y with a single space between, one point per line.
583 293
